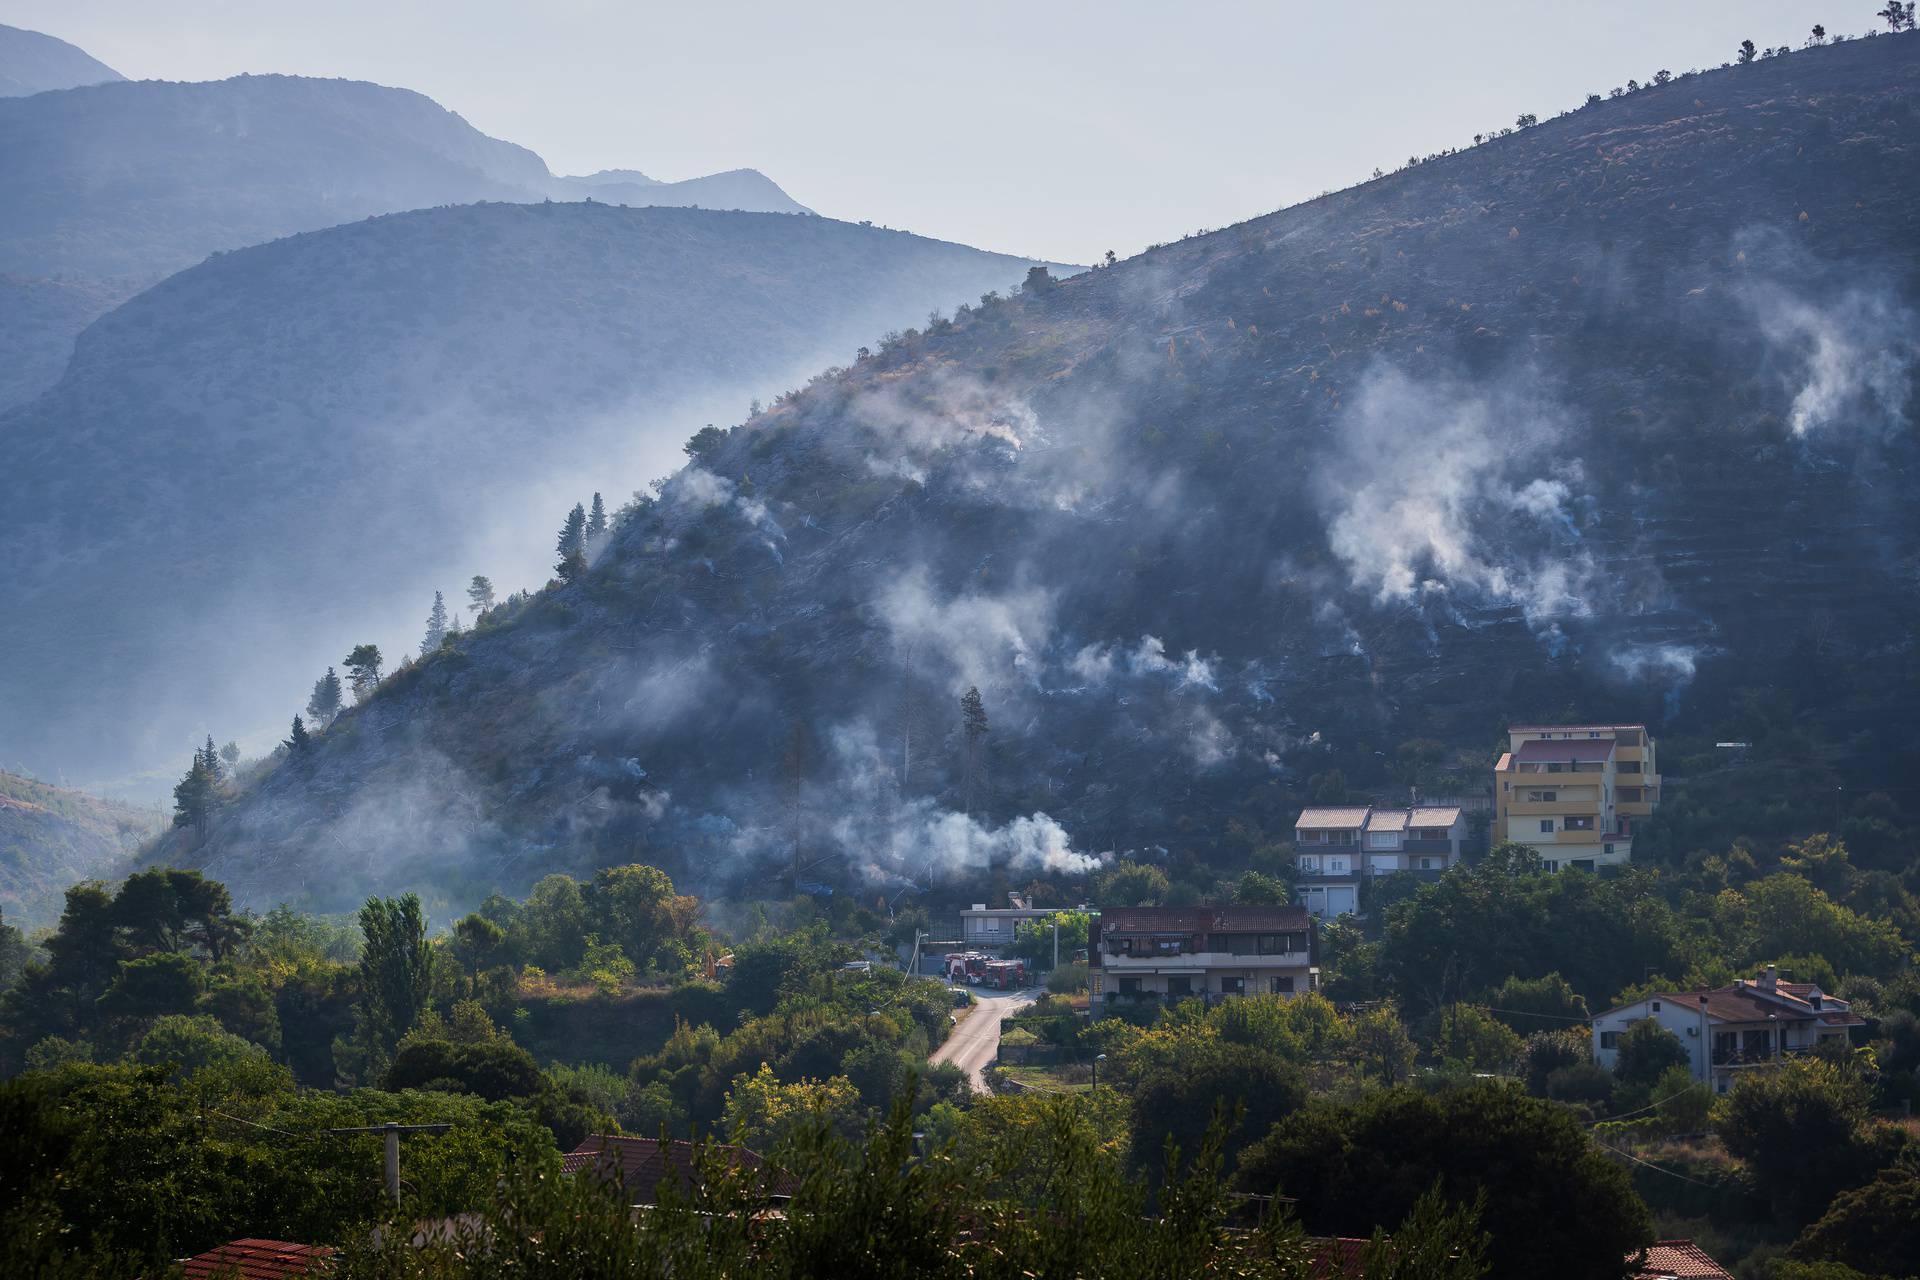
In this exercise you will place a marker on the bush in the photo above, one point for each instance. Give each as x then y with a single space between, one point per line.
1067 979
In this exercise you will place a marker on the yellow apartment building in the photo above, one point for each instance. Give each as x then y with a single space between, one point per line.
1573 793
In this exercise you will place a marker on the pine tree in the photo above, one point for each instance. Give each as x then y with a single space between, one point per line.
572 566
573 534
299 740
210 756
596 522
436 626
194 795
480 596
326 701
973 727
363 670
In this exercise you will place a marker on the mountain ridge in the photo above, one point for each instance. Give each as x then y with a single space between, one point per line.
34 62
1395 462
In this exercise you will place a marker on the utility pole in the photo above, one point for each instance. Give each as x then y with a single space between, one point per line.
392 1132
1056 942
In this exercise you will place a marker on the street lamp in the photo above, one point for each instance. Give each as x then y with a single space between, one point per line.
1097 1060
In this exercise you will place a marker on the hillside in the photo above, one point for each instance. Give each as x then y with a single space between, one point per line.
34 63
118 185
51 838
1608 414
286 450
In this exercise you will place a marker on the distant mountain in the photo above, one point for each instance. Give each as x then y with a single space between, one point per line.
266 458
51 838
112 187
1601 417
33 63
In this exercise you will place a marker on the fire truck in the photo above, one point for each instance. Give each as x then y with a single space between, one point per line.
1004 975
966 966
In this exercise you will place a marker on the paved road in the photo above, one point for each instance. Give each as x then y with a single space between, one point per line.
976 1041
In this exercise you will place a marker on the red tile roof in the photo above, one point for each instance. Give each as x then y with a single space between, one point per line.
259 1260
1435 815
1581 750
645 1163
1683 1259
1747 1001
1570 728
1387 820
1342 818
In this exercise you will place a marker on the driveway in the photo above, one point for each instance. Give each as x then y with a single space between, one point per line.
976 1041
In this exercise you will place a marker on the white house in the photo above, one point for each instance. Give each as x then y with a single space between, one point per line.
983 926
1727 1030
1336 848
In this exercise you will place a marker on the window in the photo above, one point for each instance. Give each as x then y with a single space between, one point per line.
1549 864
1581 823
1581 864
1281 985
1129 986
1434 833
1628 766
1383 840
1542 797
1182 986
993 924
1609 1039
1606 848
1629 795
1546 826
1309 864
1336 866
1426 864
1233 986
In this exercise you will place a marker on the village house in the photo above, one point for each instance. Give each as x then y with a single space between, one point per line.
1574 793
1171 953
982 926
1336 848
1754 1023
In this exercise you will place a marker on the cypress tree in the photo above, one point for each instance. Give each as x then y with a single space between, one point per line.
573 534
596 522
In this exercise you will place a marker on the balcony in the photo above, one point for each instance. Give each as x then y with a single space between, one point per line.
1201 961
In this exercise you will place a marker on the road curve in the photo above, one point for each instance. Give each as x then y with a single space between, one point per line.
976 1041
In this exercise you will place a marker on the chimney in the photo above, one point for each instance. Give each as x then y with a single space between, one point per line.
1769 979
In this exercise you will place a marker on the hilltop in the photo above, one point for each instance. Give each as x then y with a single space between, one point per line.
31 62
114 186
51 838
250 466
1614 412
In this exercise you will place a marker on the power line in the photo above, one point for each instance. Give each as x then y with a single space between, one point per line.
1656 1168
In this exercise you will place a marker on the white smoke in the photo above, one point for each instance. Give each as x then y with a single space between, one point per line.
981 639
1850 362
1423 497
1096 664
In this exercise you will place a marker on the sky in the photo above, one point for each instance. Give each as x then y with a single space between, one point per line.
1052 129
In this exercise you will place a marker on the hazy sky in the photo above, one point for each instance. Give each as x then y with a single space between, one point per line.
1058 130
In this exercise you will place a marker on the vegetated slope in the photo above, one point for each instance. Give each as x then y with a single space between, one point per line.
1599 418
251 462
735 189
117 185
31 62
51 838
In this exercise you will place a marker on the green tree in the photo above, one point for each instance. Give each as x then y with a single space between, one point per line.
166 982
1545 1052
1546 1003
1382 1047
363 670
1802 1130
299 742
1251 1088
1549 1193
1038 281
763 1114
1033 940
1133 884
596 529
478 941
1873 1228
973 732
436 626
573 533
195 796
1747 52
325 703
1470 1036
480 596
1647 1050
572 567
395 974
635 908
189 1043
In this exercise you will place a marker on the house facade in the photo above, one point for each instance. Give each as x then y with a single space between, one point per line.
1337 848
1754 1023
983 927
1173 953
1573 793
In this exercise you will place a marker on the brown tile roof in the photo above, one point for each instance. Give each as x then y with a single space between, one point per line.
1231 919
1580 750
644 1163
1683 1259
1387 820
1335 818
1436 816
259 1260
1746 1001
1571 728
